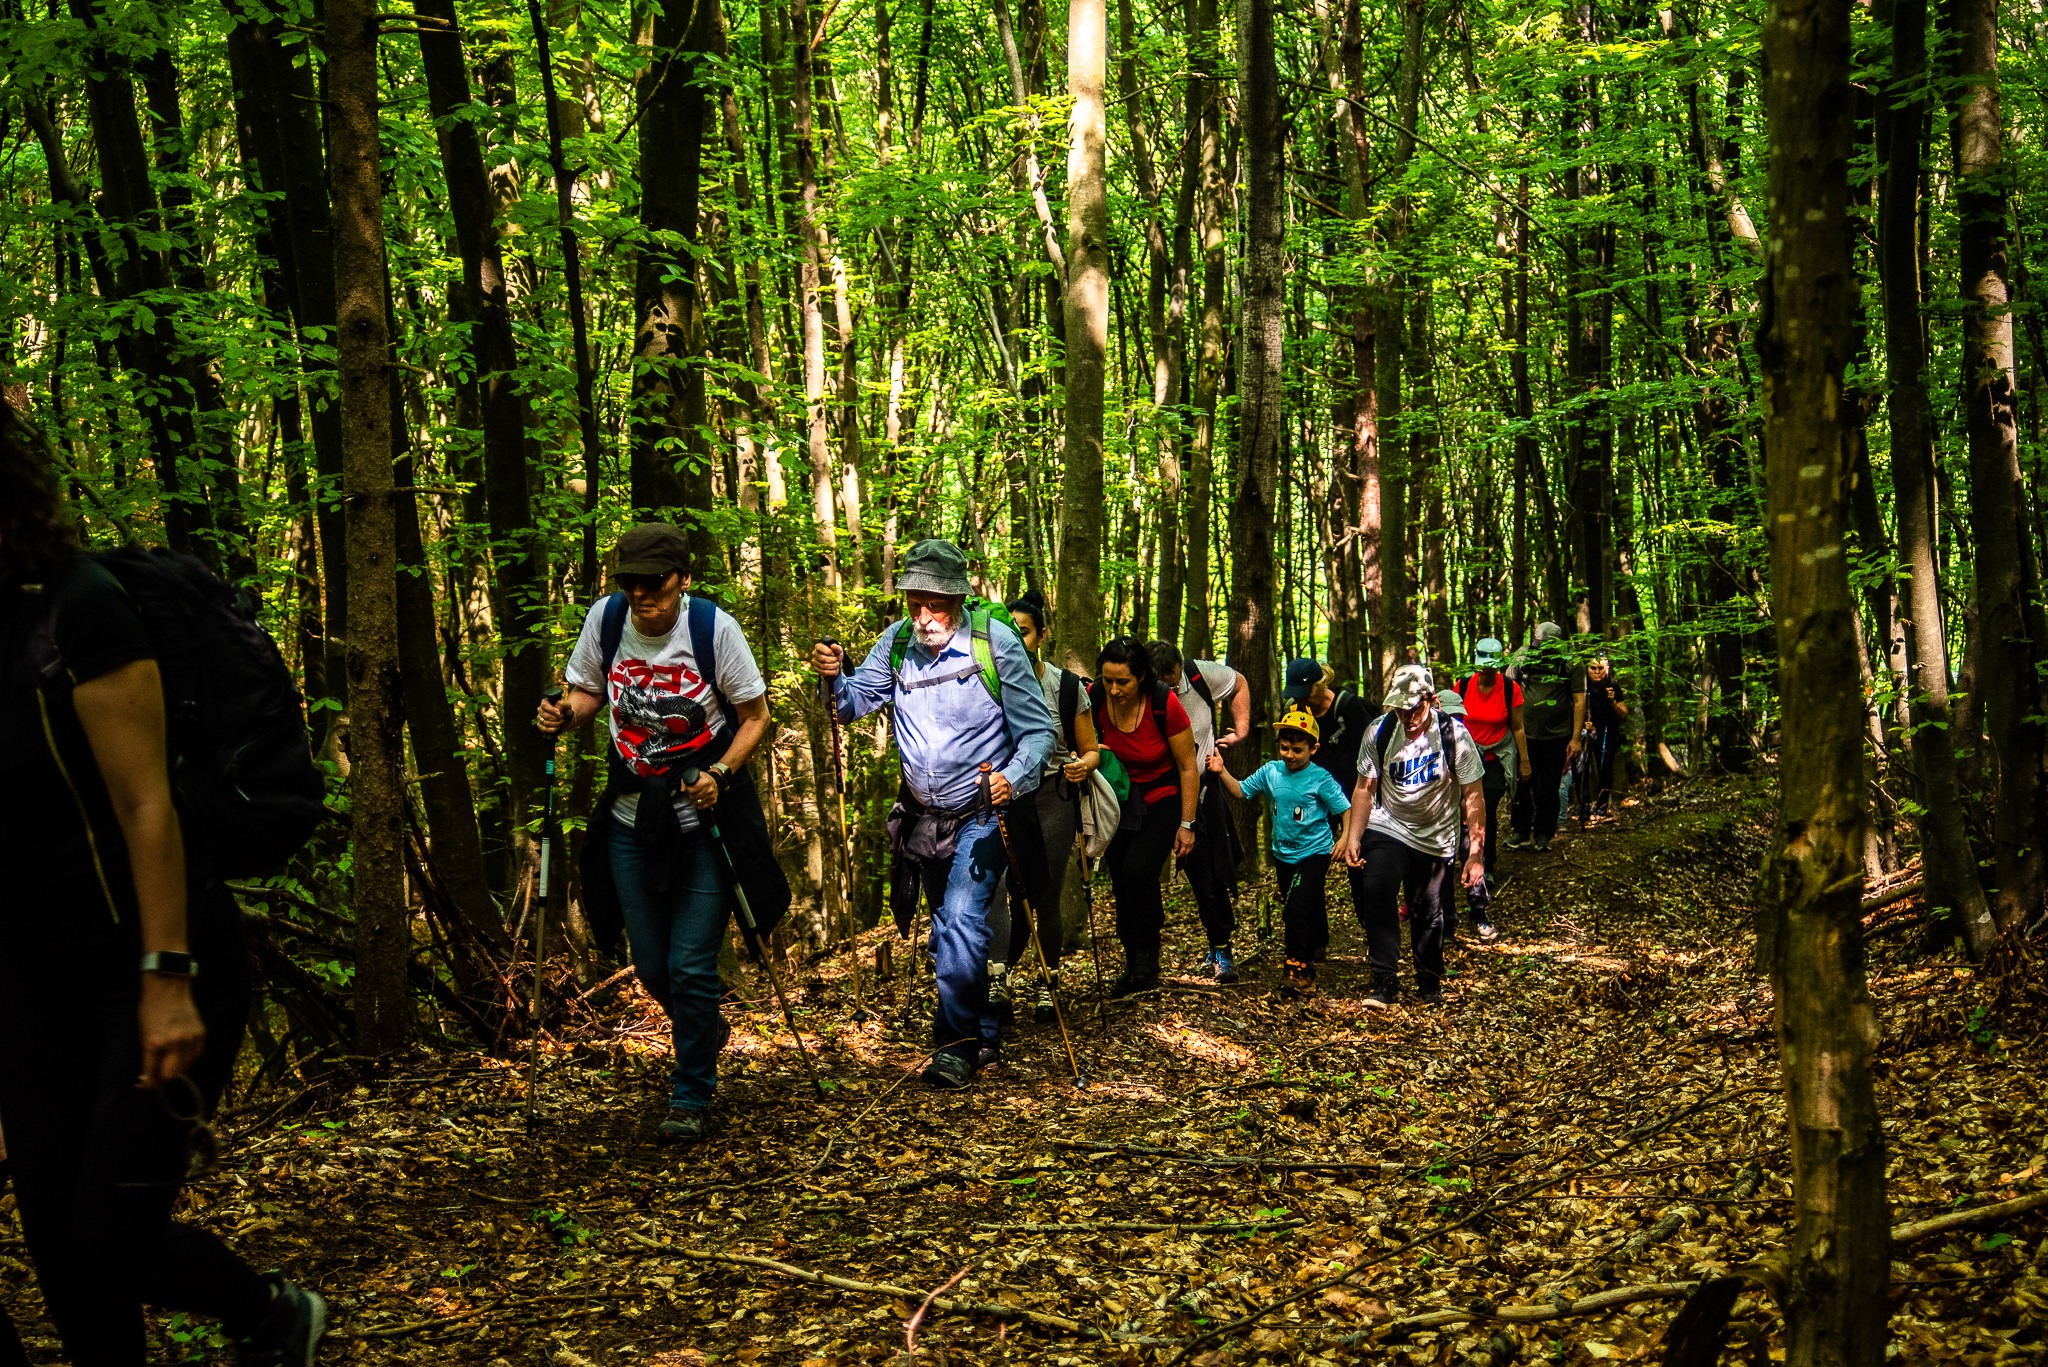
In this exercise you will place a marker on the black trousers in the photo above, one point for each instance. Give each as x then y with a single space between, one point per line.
97 1161
1133 861
1535 805
1211 867
1493 787
1305 914
1393 869
1607 743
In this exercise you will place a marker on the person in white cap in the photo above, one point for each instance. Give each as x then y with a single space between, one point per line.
1418 772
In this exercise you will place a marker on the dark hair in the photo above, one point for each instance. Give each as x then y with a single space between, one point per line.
1166 657
1131 653
1030 603
35 536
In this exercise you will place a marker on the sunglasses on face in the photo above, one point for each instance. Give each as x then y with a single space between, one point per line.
640 583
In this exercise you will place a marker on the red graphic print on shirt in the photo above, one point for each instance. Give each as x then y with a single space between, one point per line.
660 714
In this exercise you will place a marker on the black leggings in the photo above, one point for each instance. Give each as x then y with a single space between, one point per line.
1133 861
98 1161
1305 914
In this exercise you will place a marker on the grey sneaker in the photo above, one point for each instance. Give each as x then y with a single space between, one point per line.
1000 999
290 1336
1042 1013
1543 847
948 1072
683 1126
1487 933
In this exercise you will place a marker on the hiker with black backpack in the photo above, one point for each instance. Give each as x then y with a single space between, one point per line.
124 985
1493 714
1418 773
688 708
1342 717
1144 728
974 733
1203 688
1058 800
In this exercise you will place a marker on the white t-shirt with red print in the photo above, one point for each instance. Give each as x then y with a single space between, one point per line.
662 709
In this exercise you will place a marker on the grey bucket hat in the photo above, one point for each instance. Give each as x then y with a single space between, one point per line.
935 566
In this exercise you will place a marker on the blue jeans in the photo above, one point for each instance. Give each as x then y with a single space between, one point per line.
675 938
960 898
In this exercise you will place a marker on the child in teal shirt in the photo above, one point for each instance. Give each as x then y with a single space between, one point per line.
1301 797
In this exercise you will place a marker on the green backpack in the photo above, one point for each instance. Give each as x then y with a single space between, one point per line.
980 612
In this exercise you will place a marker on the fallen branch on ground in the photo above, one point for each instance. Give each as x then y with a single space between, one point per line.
1214 1227
1221 1160
1560 1308
1917 1230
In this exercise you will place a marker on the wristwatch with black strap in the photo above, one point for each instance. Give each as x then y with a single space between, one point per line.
170 964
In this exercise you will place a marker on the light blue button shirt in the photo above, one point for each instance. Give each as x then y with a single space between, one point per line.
946 731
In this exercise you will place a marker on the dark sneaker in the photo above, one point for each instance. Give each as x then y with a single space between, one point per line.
1431 997
1381 1000
989 1056
1001 1003
1515 840
683 1126
1134 978
1487 933
1220 965
1543 847
1043 1012
1299 980
290 1336
948 1071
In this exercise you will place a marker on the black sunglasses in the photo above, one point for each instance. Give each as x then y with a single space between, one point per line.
650 582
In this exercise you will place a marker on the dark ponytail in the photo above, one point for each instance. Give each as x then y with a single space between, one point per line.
1031 603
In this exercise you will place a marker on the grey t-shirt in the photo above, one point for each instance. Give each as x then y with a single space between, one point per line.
1548 684
1416 804
1049 683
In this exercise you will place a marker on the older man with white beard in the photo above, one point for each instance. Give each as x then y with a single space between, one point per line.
965 696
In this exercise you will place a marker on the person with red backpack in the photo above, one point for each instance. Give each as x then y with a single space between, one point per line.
1493 714
124 984
1144 727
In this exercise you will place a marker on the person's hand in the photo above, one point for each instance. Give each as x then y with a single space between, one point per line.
1077 768
704 792
1571 751
1183 843
999 790
1215 760
1528 769
1352 857
1225 742
172 1033
1475 872
554 718
828 660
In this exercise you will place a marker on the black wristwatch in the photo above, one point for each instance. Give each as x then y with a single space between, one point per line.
720 771
170 963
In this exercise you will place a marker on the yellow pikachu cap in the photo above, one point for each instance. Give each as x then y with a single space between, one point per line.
1300 719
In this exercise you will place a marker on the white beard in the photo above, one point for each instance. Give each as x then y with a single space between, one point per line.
934 632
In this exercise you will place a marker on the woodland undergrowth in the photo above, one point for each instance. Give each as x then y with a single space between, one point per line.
1591 1124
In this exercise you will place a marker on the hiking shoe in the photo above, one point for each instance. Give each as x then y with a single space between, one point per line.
1134 978
1543 847
988 1057
1487 933
1042 1012
1220 965
1381 1000
948 1072
1515 840
1300 980
684 1125
1433 997
1001 1003
290 1335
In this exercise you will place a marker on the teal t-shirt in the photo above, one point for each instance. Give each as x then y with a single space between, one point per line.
1302 802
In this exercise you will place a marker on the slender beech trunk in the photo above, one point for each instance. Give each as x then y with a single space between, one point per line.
1395 625
1213 213
1589 437
1949 863
1078 628
810 285
2007 624
1838 1264
1262 401
1528 455
383 998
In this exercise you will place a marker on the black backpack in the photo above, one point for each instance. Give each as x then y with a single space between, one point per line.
249 795
1386 731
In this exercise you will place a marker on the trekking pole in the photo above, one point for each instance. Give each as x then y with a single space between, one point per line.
1031 928
1088 896
754 936
860 996
540 920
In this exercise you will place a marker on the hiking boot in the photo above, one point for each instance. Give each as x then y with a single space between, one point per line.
1299 981
988 1057
684 1125
1431 996
1136 977
948 1072
290 1335
1001 1003
1383 997
1220 965
1042 1012
1487 933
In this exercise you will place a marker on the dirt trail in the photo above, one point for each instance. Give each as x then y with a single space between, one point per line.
1594 1109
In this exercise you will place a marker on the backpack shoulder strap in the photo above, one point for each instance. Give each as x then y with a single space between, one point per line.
1448 734
899 648
1200 684
1160 693
984 647
611 628
1070 704
704 646
1382 739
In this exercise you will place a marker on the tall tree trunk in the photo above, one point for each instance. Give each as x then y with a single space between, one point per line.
1838 1264
1078 628
1949 863
383 998
1213 213
810 231
1262 401
1589 438
2008 625
1396 625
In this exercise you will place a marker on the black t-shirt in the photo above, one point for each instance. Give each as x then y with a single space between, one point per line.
1601 696
1343 730
67 875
